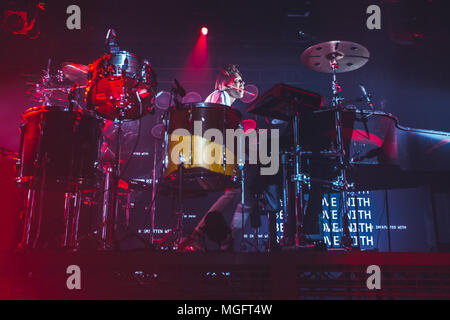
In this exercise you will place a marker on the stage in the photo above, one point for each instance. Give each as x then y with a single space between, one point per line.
187 151
287 275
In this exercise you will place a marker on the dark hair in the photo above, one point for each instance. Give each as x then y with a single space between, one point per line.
225 74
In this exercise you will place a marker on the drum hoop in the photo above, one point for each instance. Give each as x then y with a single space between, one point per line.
127 53
48 109
211 106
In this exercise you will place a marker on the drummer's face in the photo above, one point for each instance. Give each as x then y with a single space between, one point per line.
238 83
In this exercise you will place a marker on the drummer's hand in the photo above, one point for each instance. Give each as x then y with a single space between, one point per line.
249 125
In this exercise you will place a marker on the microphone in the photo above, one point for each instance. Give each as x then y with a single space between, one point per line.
111 43
366 96
179 89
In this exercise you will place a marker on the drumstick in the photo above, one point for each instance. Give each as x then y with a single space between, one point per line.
236 88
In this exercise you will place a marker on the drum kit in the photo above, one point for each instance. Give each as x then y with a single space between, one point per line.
61 141
60 147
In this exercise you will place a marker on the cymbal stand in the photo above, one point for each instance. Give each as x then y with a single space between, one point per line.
109 218
244 241
297 178
342 182
105 230
180 212
153 203
241 165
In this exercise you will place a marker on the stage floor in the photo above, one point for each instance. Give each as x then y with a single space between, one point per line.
287 275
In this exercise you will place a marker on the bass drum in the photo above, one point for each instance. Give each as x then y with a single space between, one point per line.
207 164
59 148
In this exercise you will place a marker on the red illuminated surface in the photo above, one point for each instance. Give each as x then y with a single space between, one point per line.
359 135
249 125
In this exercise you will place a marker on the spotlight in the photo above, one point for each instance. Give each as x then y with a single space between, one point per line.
204 31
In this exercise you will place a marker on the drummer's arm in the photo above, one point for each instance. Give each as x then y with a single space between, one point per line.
216 97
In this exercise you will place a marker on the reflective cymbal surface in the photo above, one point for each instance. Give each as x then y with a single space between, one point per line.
76 72
348 55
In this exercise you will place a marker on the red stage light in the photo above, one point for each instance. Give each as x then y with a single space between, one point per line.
204 31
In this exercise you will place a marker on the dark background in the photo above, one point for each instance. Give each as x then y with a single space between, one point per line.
407 74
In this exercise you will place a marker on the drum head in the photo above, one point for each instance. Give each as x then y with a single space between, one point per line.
120 98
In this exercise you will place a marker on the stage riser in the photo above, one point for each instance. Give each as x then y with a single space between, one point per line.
287 276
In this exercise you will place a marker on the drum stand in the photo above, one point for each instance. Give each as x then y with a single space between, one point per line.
71 219
177 232
294 236
244 241
31 231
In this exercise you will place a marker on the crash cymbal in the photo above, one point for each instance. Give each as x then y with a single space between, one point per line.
349 56
75 72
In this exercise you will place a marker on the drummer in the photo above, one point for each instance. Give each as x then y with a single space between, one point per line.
228 88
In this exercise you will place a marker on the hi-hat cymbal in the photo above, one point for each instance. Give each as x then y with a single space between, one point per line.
349 56
76 72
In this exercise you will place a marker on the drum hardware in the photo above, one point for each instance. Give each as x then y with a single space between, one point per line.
324 153
241 165
71 219
346 240
157 132
153 200
303 178
105 233
32 222
58 151
285 162
177 232
224 150
298 189
53 89
121 88
336 57
113 214
106 228
286 103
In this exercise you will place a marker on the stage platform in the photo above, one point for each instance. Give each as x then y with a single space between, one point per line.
287 275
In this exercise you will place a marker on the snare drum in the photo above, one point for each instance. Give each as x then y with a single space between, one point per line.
188 149
120 86
58 148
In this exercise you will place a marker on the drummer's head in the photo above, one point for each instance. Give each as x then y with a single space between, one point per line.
228 77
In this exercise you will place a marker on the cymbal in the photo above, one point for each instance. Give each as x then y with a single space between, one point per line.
75 72
349 56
